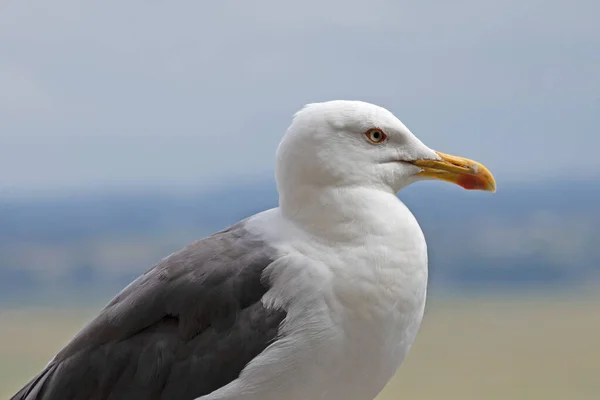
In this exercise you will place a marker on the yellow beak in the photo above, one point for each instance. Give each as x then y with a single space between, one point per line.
469 174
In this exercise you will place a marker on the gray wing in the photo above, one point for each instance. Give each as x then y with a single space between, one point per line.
185 328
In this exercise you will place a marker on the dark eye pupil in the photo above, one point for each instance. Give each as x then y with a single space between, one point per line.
376 135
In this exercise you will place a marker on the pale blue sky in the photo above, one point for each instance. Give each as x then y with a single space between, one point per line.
188 93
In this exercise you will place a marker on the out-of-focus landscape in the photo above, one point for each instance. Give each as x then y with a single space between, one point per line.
129 129
514 309
524 238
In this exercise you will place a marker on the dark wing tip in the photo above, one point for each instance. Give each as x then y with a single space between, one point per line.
33 389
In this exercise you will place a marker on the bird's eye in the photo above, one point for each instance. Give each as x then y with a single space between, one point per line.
375 135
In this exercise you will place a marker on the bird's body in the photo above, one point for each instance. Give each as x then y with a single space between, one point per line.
320 298
357 288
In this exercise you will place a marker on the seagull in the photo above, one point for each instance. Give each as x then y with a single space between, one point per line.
319 298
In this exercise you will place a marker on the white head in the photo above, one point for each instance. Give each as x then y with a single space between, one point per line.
352 143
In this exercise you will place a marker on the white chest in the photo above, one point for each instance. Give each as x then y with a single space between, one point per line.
377 304
365 302
354 305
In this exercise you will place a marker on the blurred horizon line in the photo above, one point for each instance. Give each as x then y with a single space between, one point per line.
57 192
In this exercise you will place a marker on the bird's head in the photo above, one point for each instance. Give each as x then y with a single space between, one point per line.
352 143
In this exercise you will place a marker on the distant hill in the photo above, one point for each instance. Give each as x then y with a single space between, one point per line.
524 235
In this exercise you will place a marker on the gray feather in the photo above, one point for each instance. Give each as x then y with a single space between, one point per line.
185 328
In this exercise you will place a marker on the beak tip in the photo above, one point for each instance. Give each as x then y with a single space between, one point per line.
484 183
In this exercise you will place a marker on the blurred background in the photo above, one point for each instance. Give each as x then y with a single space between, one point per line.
129 129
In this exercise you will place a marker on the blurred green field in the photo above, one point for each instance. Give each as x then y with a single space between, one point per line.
467 349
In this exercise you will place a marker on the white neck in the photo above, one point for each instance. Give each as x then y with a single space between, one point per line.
345 213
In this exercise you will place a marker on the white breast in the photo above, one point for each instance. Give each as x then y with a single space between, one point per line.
354 308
